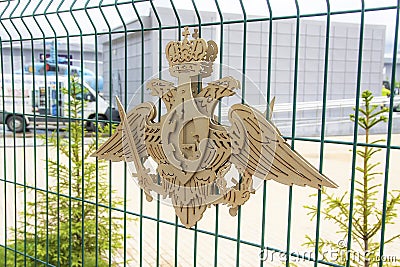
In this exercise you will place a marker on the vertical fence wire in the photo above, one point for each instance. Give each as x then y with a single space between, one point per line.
14 160
35 15
293 135
109 39
178 20
55 43
24 145
4 144
221 60
14 141
389 137
268 116
153 8
243 97
96 122
82 113
34 139
125 106
323 125
198 90
355 136
142 43
69 138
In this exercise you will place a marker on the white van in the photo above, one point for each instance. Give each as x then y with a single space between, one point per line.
18 106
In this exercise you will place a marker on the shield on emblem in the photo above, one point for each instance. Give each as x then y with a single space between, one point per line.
193 152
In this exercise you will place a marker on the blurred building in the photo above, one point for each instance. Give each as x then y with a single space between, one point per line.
20 58
123 66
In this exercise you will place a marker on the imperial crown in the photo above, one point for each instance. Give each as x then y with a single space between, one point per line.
195 50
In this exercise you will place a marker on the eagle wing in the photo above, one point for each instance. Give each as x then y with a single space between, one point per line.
208 97
258 147
116 147
154 144
164 90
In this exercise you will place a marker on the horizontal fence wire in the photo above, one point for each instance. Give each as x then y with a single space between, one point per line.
81 31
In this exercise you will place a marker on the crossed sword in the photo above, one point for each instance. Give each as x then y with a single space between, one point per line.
142 173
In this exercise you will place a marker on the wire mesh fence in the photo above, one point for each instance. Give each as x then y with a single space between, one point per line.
60 207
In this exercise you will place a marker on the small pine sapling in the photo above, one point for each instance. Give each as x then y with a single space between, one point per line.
367 215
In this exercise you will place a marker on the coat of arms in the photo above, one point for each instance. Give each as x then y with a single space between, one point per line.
193 151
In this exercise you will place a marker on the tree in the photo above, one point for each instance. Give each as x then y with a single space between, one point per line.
367 217
66 226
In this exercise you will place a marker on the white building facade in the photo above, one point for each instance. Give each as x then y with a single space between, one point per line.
343 62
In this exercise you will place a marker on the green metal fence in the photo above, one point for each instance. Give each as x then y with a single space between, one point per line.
80 28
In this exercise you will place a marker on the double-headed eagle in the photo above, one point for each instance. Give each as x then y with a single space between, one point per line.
192 150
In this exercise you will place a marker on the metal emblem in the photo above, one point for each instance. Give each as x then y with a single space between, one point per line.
192 150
